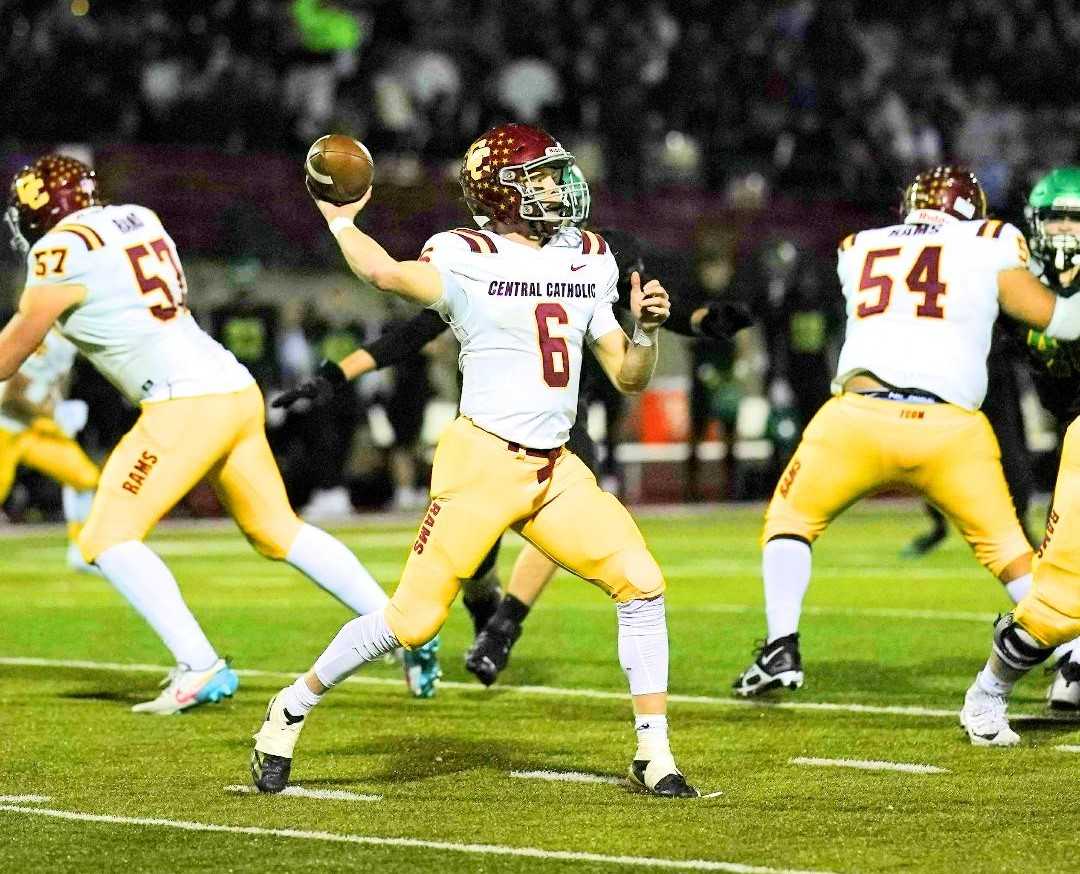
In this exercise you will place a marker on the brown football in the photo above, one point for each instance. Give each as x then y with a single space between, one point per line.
339 169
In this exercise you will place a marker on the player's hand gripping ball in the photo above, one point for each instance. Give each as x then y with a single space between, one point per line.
338 169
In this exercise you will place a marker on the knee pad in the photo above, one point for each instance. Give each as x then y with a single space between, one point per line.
274 540
632 574
421 602
1016 646
416 621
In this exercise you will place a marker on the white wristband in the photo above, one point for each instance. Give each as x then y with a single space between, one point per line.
640 338
339 224
1065 322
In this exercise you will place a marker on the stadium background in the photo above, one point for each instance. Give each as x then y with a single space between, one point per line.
740 146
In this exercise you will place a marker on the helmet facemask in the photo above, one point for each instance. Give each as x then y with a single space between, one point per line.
1058 253
554 193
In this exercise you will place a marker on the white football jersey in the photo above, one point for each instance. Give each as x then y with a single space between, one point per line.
521 315
134 324
921 303
46 370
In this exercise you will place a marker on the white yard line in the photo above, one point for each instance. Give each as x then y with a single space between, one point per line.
549 691
1068 748
410 843
301 792
569 777
868 765
25 799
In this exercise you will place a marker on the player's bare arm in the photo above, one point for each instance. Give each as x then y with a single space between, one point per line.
629 364
411 280
1024 298
39 308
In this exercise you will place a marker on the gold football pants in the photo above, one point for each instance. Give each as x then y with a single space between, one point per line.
173 445
49 451
1051 610
479 488
857 445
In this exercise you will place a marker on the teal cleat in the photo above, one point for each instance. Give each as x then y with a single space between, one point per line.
422 670
185 688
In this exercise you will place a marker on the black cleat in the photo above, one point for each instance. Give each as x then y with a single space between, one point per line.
270 772
490 652
778 664
671 784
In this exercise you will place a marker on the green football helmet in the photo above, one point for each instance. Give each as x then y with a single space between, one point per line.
1056 197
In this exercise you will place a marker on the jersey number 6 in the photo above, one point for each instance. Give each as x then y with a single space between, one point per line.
169 300
923 278
553 351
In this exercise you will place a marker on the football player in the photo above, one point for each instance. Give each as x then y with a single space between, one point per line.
522 294
921 300
109 278
38 428
1047 620
497 618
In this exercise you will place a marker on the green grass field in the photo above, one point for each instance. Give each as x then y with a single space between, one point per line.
889 647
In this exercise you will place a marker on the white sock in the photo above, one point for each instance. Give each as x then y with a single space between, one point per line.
785 568
360 640
141 577
332 565
652 739
76 504
643 645
1019 587
298 699
992 684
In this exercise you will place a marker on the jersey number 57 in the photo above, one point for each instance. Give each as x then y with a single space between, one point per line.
167 294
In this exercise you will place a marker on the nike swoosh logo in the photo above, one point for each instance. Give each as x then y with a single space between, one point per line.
184 697
574 267
771 656
290 719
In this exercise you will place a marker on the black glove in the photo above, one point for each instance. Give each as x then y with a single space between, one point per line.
319 389
723 319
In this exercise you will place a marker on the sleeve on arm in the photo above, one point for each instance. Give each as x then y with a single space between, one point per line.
444 252
603 319
1010 248
58 259
406 340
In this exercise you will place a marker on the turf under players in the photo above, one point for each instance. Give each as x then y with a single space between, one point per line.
523 295
922 297
109 278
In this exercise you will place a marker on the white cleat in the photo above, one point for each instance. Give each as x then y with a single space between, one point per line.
185 688
985 719
271 760
1064 691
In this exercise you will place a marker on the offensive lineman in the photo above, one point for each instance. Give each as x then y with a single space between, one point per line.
1047 620
922 298
109 278
38 428
522 296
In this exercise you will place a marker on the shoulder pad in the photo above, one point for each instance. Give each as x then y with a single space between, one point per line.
593 244
477 242
89 237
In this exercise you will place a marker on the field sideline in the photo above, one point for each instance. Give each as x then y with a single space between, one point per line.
866 769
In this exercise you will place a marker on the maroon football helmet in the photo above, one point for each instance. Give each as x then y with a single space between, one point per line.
502 179
43 193
952 190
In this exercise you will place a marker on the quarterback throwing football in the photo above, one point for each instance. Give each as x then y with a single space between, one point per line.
522 295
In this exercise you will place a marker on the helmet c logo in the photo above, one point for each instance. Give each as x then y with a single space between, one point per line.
475 159
31 191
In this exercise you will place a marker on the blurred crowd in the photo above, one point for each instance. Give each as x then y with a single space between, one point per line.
845 95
